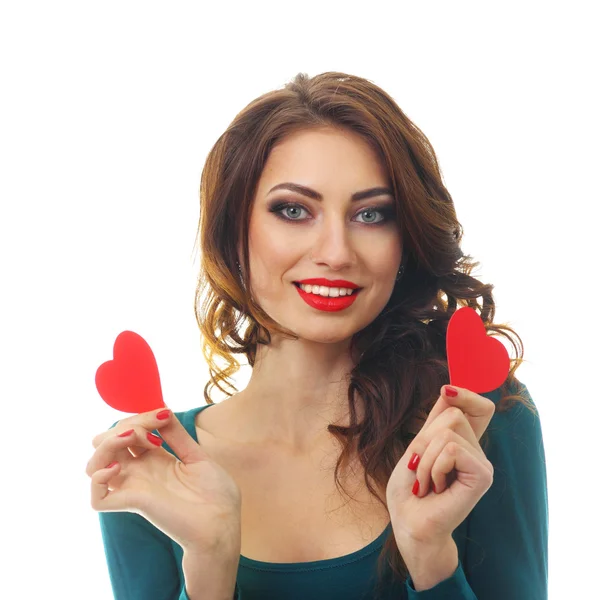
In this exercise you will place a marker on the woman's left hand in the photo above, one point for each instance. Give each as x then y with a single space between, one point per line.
448 441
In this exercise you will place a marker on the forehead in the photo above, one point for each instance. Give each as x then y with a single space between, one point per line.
321 158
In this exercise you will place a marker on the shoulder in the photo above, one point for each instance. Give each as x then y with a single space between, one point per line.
513 441
514 416
188 419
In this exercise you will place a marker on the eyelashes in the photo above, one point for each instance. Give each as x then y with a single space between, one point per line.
387 212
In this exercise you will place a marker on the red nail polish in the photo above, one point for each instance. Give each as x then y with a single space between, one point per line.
126 433
163 414
413 463
433 486
451 392
154 439
415 489
112 464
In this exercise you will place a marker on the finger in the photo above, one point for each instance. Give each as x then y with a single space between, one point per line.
151 420
100 488
111 449
116 447
104 498
478 409
186 449
473 479
425 474
451 419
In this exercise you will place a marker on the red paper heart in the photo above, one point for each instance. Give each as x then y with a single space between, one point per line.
130 382
476 361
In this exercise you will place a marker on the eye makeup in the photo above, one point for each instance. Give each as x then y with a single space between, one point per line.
387 211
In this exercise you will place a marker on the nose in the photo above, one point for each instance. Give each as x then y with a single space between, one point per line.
332 245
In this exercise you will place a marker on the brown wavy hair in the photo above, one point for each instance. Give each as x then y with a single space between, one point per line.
400 358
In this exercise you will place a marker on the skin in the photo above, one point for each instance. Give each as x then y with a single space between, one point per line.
423 523
336 239
283 408
298 386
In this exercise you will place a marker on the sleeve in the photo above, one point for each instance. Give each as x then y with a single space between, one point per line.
140 558
454 588
503 543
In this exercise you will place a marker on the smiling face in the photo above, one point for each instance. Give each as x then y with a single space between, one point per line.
293 237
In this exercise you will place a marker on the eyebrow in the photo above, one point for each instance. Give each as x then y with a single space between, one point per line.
306 191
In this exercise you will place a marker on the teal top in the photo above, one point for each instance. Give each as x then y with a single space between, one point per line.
502 544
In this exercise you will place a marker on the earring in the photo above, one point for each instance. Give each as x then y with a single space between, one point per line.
240 272
400 273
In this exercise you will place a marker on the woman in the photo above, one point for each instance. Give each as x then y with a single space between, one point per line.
331 259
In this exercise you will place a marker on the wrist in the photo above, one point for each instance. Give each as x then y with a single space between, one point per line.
209 576
429 563
226 551
226 545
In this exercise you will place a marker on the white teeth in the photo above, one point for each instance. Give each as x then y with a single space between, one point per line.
321 290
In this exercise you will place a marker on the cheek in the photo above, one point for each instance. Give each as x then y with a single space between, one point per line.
266 240
383 261
270 257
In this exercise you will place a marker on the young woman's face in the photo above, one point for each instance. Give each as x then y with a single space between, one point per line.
336 238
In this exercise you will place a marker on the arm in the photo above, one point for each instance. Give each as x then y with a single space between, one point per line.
209 578
503 543
145 563
507 532
140 559
428 566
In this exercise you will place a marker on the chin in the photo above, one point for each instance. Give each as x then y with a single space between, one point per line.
333 333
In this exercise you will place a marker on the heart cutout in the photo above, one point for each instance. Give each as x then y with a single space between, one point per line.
476 361
130 382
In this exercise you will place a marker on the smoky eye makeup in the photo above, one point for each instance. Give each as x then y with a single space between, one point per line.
277 207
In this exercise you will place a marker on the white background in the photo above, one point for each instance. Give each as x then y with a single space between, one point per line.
107 113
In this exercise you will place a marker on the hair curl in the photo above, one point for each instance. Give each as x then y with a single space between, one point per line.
401 358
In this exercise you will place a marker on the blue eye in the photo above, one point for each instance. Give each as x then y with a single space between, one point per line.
372 211
283 207
386 212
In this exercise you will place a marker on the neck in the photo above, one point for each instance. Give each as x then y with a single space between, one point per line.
296 389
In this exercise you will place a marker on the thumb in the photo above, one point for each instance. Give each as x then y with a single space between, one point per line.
181 442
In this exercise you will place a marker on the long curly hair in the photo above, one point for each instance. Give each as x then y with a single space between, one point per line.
400 358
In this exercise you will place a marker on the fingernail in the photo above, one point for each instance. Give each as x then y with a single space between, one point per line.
433 486
163 414
126 433
413 463
451 392
112 464
154 439
415 489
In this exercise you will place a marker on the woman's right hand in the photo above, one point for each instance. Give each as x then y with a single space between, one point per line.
192 500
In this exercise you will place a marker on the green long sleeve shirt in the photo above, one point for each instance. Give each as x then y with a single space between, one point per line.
502 544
